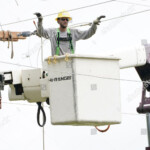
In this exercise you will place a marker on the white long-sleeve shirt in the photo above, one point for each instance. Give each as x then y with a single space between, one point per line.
51 33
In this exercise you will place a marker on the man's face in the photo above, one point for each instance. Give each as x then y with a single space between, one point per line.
63 22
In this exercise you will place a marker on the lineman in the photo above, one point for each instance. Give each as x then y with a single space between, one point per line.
63 40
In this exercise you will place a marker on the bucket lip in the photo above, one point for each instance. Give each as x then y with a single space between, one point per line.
107 57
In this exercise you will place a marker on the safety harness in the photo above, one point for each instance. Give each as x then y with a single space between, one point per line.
69 38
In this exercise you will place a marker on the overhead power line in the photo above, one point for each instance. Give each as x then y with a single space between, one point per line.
131 14
16 2
9 103
83 7
16 64
12 103
103 77
118 17
96 4
138 4
94 76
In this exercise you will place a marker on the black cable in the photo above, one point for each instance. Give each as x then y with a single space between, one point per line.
40 108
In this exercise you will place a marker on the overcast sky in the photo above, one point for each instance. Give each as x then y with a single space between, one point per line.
18 126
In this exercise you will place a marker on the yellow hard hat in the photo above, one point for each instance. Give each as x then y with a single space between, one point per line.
62 14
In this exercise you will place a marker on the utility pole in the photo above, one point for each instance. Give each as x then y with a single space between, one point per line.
1 88
143 71
0 101
148 130
144 109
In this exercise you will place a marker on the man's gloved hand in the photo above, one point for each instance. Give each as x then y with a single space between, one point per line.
97 21
39 16
36 33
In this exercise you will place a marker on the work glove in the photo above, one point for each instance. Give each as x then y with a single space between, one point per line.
28 33
39 16
98 20
25 34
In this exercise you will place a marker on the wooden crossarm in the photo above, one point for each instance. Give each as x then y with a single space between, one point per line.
8 35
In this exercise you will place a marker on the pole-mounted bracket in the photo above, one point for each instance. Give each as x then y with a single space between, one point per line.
144 73
144 106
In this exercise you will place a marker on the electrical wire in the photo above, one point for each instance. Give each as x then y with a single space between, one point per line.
96 4
28 54
16 3
1 26
12 103
133 114
83 7
43 138
135 13
110 19
40 50
32 105
43 131
17 64
132 3
101 77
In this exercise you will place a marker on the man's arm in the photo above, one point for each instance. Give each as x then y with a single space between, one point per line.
88 33
40 30
78 34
